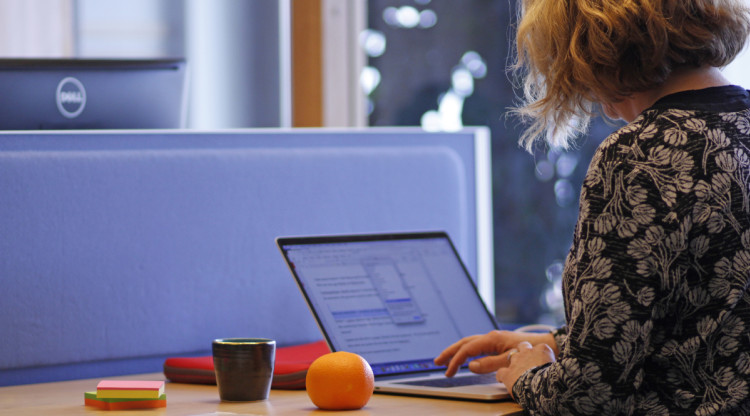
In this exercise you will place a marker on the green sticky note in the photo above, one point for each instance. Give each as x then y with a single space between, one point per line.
91 395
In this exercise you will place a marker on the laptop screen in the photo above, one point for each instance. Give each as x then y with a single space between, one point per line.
397 300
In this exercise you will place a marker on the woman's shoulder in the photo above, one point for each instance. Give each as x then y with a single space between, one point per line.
675 128
634 134
676 116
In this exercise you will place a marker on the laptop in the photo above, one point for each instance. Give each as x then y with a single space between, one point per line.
397 300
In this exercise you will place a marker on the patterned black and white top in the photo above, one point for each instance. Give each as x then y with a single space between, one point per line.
656 281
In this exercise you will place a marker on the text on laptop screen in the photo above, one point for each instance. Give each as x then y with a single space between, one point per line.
398 303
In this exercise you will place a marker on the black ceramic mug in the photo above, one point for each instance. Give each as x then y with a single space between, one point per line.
244 368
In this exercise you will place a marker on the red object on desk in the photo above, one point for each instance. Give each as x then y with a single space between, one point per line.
290 367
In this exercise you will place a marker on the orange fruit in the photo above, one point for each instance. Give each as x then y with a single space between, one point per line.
340 381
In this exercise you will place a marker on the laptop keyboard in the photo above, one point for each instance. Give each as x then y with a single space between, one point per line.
455 381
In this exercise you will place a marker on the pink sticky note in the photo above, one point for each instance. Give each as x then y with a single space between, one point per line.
130 385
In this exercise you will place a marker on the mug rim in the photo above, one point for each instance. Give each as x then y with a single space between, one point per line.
243 341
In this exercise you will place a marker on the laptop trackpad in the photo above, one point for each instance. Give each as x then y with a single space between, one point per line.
454 381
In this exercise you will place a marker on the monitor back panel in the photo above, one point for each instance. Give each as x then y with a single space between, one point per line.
50 94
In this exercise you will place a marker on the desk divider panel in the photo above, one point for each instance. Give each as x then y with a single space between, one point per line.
120 248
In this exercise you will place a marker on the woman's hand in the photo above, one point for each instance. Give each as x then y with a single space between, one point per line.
494 344
521 358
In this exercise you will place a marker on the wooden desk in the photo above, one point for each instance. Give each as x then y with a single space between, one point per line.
66 398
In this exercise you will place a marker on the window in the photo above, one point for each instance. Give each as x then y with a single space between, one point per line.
442 67
433 64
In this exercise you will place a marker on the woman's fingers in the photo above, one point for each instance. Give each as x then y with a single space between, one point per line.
524 345
448 353
458 353
455 355
489 364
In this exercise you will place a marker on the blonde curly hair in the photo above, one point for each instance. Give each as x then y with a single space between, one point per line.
574 54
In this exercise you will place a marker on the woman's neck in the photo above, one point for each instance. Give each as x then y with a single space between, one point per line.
680 80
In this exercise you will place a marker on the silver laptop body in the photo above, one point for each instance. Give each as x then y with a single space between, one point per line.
397 300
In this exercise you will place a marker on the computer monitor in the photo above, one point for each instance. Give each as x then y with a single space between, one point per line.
52 94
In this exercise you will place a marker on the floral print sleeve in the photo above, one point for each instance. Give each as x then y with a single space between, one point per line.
656 280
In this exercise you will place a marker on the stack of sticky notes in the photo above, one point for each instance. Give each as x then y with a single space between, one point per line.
127 394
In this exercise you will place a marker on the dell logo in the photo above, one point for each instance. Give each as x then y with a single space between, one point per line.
74 97
71 97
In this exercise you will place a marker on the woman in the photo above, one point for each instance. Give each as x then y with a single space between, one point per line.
656 281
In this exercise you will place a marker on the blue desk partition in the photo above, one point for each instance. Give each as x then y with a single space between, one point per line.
121 248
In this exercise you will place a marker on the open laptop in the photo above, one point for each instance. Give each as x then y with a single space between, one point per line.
397 300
